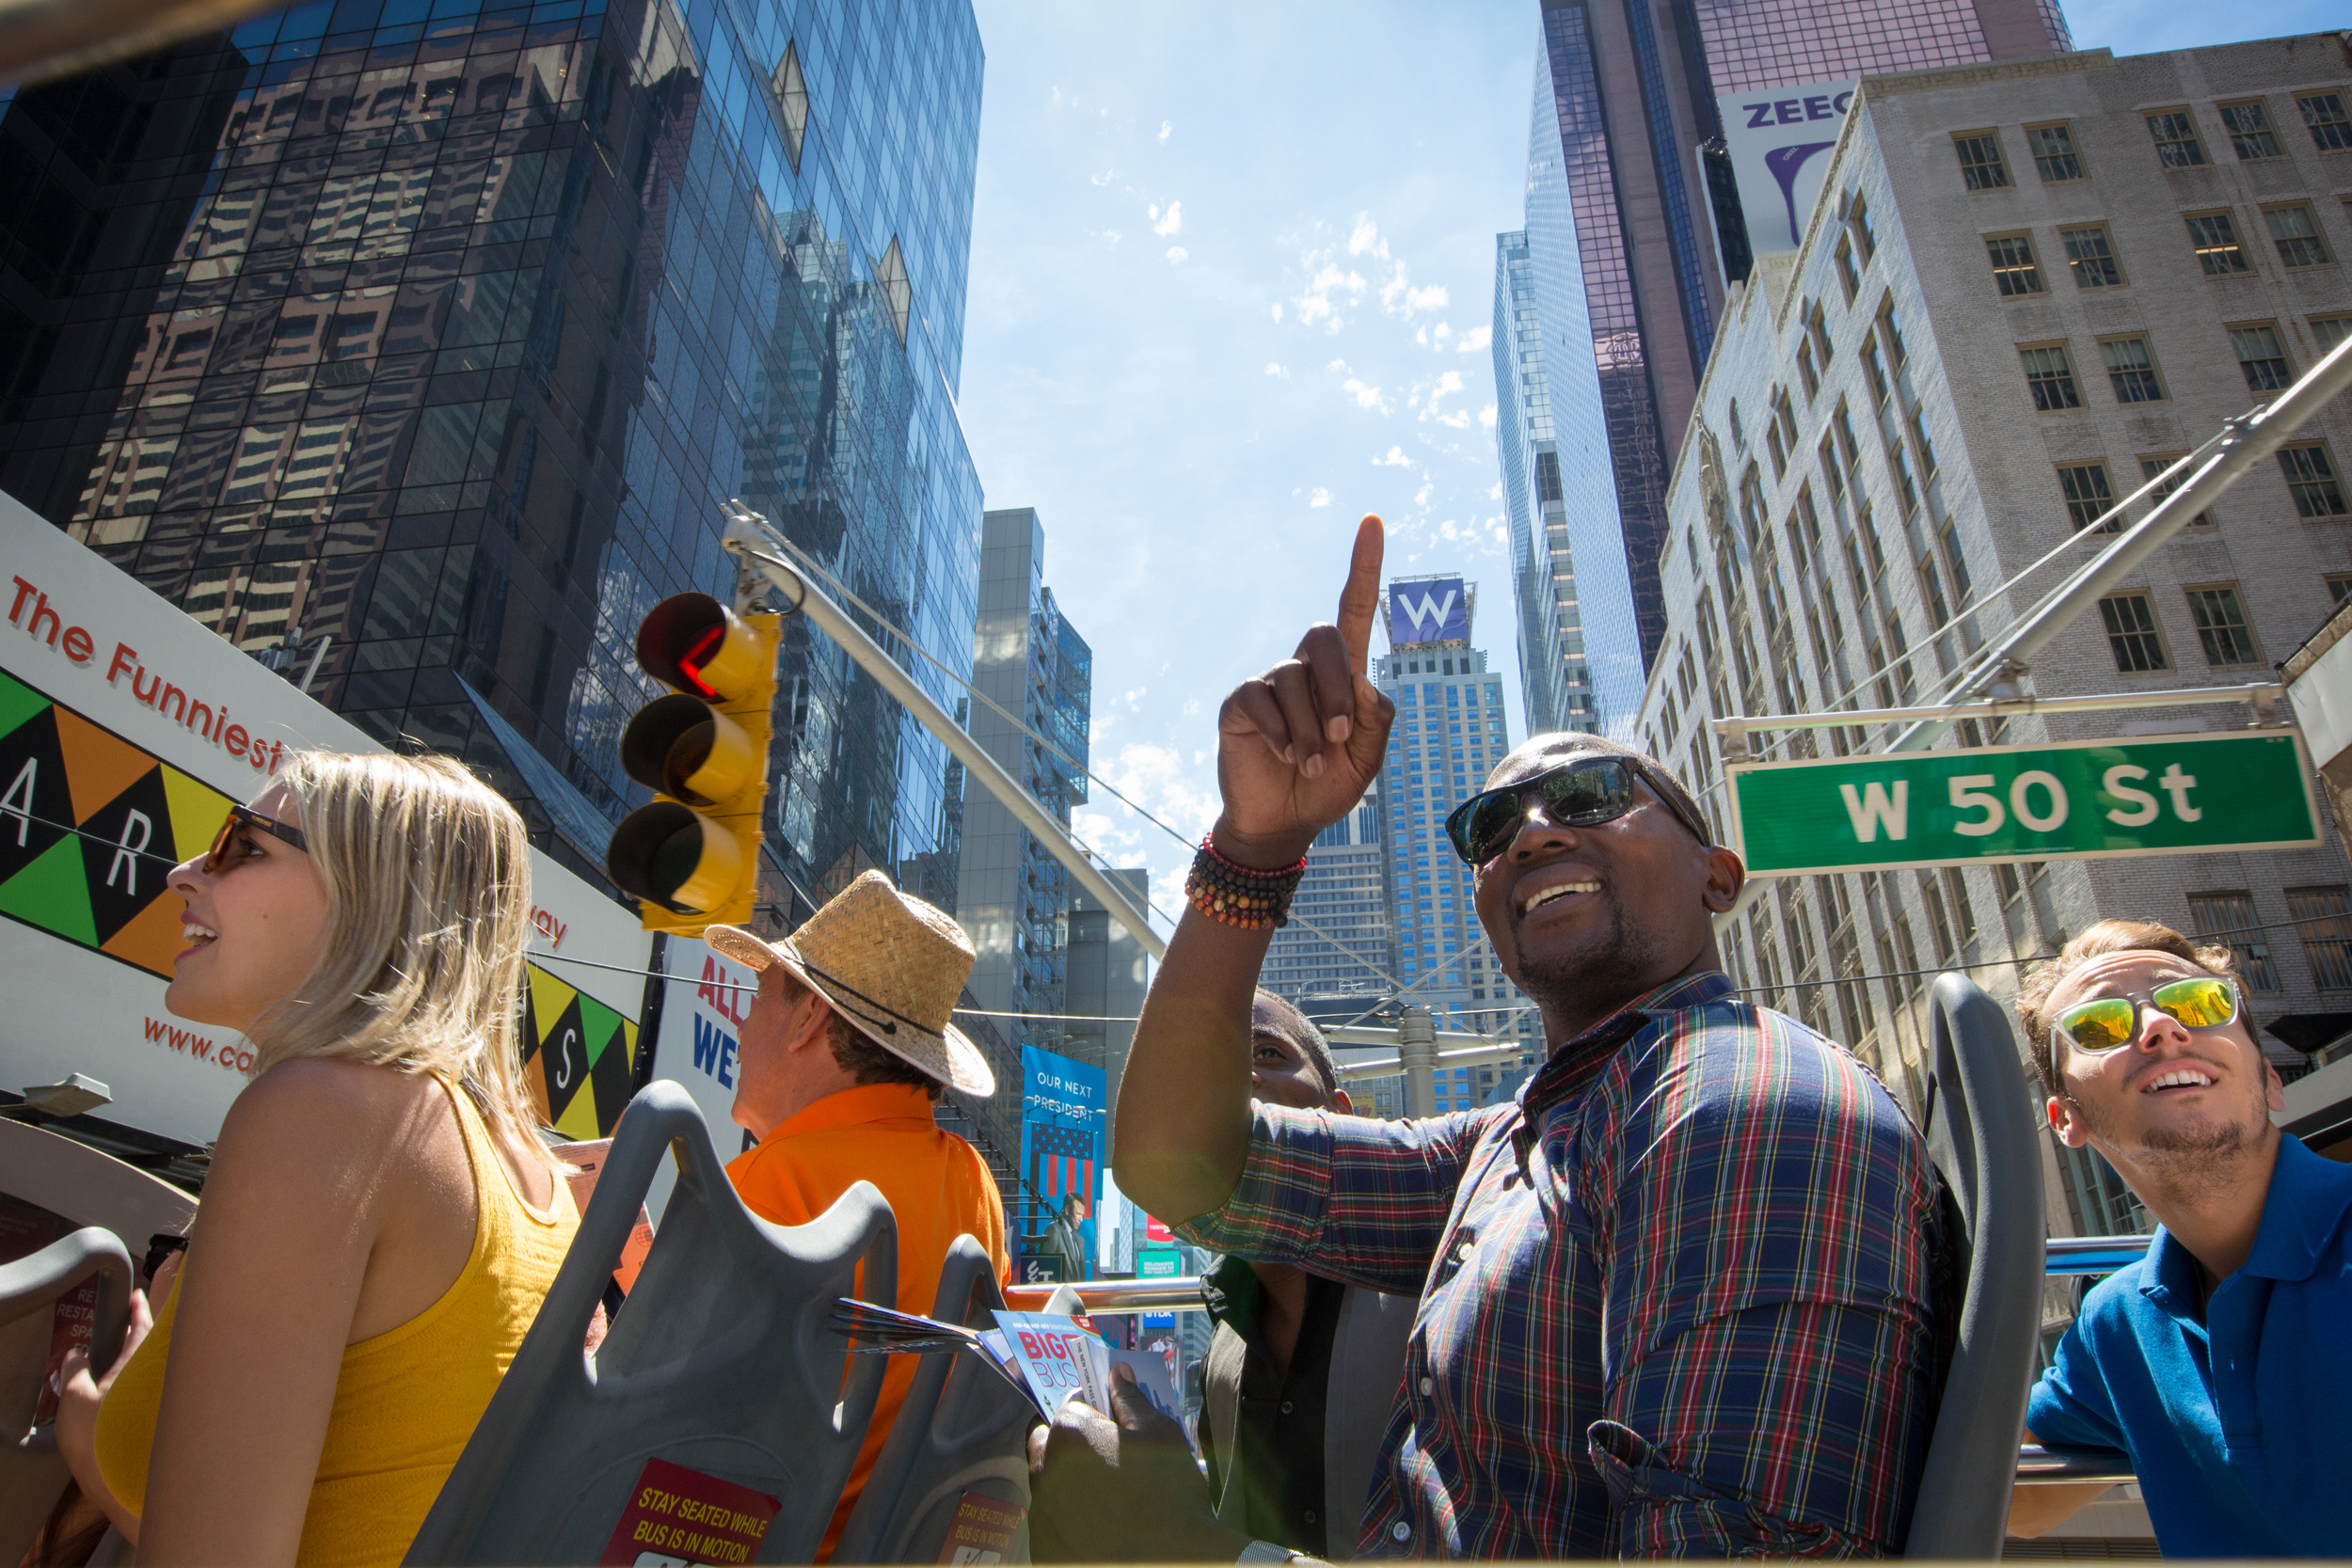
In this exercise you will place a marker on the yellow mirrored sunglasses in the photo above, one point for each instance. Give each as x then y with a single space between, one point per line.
2109 1022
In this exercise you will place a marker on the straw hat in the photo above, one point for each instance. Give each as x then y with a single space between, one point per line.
890 964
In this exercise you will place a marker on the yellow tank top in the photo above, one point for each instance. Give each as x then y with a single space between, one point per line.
406 1400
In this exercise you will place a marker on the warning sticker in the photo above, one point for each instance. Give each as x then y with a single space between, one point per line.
679 1516
982 1530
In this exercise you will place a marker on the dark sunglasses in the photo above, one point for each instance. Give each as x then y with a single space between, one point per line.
225 842
1581 794
2108 1023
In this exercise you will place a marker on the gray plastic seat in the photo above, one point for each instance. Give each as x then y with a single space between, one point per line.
962 1429
1983 1138
723 1361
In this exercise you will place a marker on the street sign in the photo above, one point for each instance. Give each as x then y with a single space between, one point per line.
1158 1263
2078 800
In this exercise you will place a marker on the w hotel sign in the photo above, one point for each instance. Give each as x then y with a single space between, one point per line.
1429 610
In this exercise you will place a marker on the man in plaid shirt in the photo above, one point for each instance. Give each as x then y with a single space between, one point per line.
1684 1297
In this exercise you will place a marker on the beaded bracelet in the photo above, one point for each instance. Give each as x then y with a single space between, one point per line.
1241 896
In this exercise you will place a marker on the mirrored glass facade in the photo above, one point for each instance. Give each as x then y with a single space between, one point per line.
1634 86
457 322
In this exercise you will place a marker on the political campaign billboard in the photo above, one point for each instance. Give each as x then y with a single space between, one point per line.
1062 1105
127 729
1429 610
1779 139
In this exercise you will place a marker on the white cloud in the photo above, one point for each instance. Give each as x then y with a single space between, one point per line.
1486 416
1443 332
1340 365
1365 237
1474 339
1177 255
1494 491
1316 304
1274 367
1321 498
1430 299
1168 223
1420 496
1366 397
1394 458
1192 706
1105 178
1167 128
1448 384
1278 309
1134 699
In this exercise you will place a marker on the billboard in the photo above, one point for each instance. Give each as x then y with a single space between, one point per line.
1432 609
126 731
1062 1104
1779 140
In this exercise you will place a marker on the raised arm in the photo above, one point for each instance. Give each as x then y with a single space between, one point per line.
1296 748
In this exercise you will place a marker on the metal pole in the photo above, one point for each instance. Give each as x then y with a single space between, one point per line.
1416 1050
751 538
2256 437
2263 694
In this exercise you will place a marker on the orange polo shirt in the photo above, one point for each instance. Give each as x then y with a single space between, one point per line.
938 1190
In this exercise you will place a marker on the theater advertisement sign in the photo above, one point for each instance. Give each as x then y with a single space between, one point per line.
126 731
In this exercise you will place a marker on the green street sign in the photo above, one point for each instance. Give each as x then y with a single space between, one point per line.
2077 799
1158 1263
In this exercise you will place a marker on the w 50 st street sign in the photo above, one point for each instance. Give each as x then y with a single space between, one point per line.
2081 800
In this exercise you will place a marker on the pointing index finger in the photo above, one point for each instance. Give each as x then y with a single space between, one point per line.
1360 601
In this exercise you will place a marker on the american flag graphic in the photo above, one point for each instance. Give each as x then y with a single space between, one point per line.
1061 1159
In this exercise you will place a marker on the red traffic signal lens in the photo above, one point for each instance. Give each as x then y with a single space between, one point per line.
697 644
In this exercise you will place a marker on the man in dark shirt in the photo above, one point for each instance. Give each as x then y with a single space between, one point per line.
1284 1462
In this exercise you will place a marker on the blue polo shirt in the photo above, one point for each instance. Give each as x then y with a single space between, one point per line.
2236 1421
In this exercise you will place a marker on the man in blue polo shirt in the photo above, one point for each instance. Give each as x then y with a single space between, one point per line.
2218 1363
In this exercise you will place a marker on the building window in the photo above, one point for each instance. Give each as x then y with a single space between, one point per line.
2327 331
2262 356
2050 378
2157 469
2322 914
1849 277
1874 371
2053 149
2311 480
2176 139
2214 239
2222 626
2339 587
1547 490
1807 373
2088 497
2230 916
2330 127
1739 436
2131 370
2296 235
1784 428
2013 266
1893 333
2248 125
1980 164
1817 327
2132 634
1858 223
2091 258
1906 487
1920 443
1955 558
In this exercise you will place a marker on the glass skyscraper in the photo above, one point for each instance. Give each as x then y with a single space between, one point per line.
1344 898
1632 89
438 329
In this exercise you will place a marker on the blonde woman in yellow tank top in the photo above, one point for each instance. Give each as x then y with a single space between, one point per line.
381 1222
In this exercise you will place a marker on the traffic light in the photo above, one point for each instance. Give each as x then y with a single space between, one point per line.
691 856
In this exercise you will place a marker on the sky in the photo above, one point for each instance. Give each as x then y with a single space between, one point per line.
1233 282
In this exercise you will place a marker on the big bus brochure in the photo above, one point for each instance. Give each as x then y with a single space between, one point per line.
1046 1357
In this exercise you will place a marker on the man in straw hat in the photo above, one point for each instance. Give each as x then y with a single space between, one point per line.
845 1049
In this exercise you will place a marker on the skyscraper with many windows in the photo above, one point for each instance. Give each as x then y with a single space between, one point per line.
1632 89
1450 731
1337 942
438 329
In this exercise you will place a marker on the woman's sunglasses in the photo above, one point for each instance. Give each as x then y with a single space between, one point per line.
2111 1023
1581 794
245 818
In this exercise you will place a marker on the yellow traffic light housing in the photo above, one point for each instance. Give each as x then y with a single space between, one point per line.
691 856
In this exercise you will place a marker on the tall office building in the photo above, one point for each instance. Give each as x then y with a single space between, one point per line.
2026 292
1633 91
440 328
1337 942
1450 731
1109 974
1013 895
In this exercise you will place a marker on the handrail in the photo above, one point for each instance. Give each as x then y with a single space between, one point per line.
2077 1256
1180 1294
2040 1466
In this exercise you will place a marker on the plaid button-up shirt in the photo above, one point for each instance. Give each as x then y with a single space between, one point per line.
1685 1296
